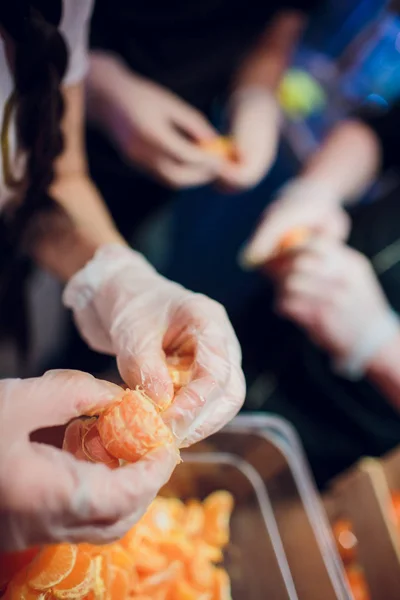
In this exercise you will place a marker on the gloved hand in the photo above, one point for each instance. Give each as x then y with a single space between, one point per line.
255 132
154 128
46 495
331 290
300 203
122 306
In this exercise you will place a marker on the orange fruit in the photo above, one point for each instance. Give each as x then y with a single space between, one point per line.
293 239
79 581
94 450
222 585
51 566
346 541
357 583
12 562
180 369
221 146
218 507
131 427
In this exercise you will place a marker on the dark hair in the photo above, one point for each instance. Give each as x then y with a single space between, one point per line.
39 63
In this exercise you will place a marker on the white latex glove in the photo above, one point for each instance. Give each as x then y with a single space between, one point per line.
255 124
332 291
153 127
122 306
46 495
301 203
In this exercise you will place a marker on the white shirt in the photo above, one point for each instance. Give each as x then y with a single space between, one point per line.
74 26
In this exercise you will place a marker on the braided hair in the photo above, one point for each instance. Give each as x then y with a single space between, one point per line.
39 62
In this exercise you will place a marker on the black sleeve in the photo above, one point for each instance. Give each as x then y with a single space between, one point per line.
305 6
386 125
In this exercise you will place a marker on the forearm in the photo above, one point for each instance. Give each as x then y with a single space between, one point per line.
65 242
100 89
384 371
347 162
267 62
72 241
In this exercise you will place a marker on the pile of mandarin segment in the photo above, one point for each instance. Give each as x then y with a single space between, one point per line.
173 553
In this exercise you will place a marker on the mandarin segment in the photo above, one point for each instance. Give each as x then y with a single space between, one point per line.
131 427
218 508
51 566
222 585
119 584
79 582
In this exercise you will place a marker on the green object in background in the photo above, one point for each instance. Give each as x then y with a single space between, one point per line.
300 95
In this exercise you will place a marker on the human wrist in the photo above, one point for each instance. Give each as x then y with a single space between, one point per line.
328 192
386 360
369 353
253 92
107 261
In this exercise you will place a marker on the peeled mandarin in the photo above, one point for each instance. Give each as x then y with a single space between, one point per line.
131 427
51 566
